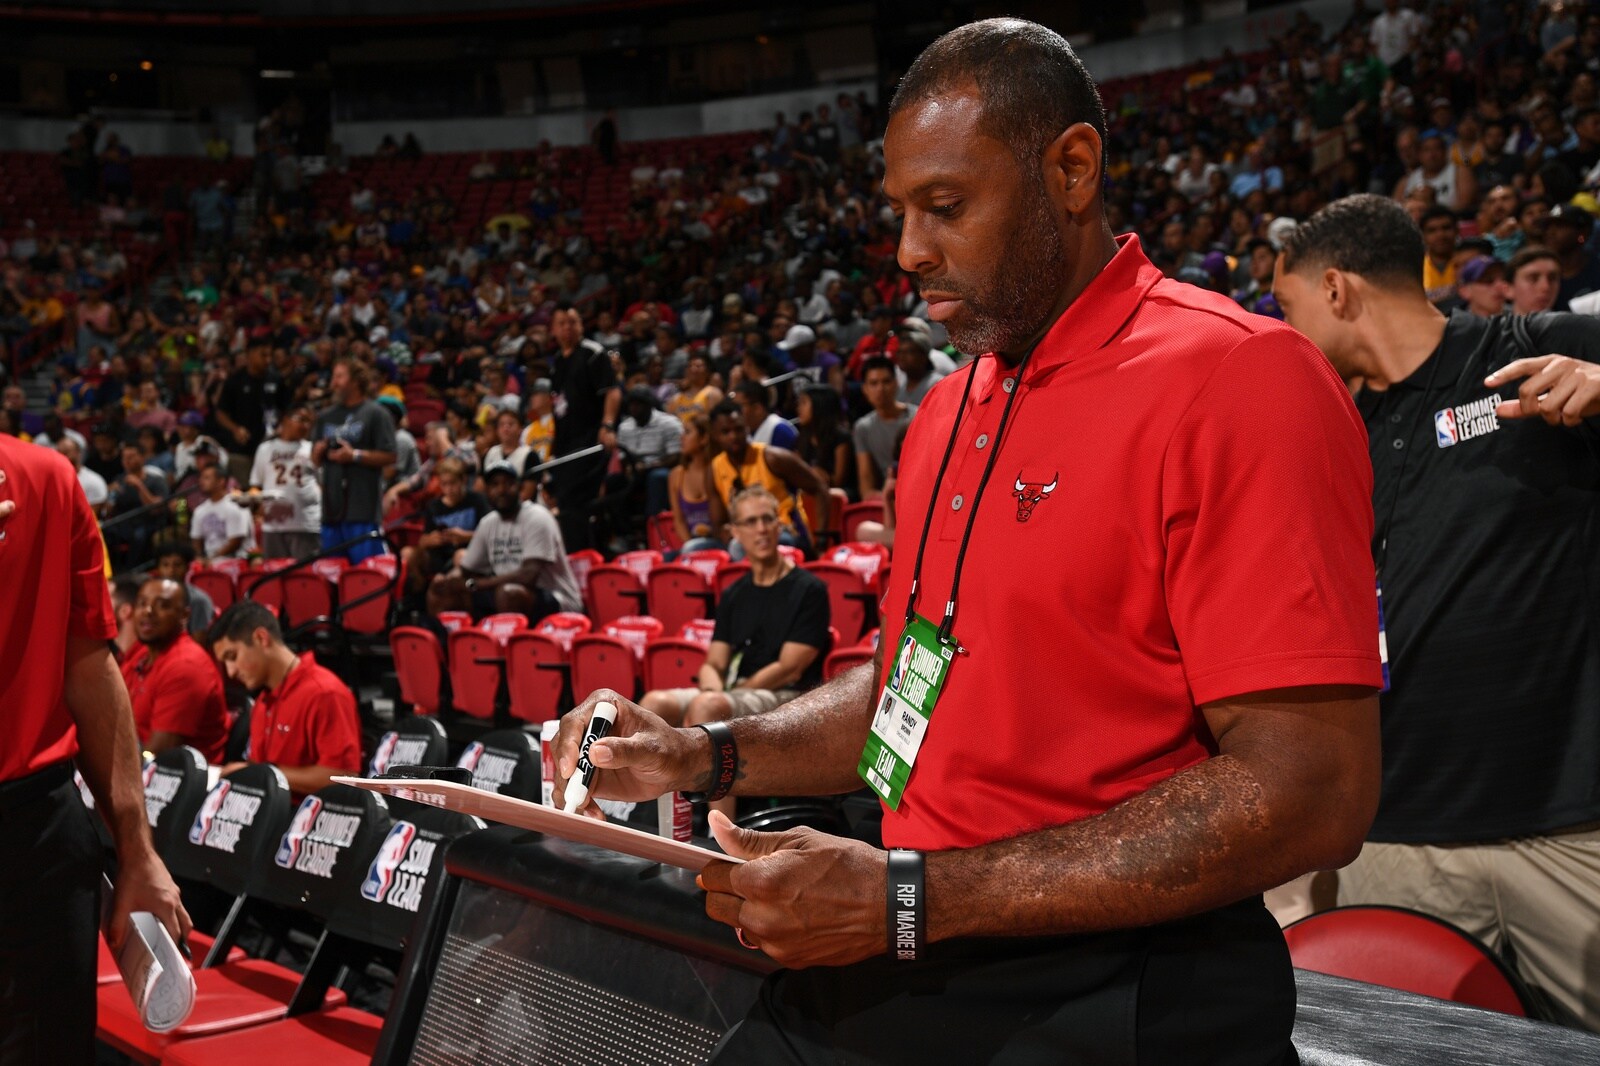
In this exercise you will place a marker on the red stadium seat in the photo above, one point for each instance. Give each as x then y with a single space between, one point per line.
635 630
535 676
708 561
850 600
218 584
502 626
661 533
455 620
614 591
307 595
199 944
371 617
700 631
671 662
474 685
678 594
419 663
640 562
1408 950
844 659
857 513
865 558
729 574
563 627
581 563
793 554
600 661
342 1036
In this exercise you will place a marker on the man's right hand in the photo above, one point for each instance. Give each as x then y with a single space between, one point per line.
641 758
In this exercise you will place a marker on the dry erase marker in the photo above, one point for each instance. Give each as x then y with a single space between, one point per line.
577 794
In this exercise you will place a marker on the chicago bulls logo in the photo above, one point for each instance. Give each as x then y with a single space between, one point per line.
1030 494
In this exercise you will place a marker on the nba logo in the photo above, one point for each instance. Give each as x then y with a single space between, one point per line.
902 663
469 757
208 813
380 875
304 819
385 752
1444 428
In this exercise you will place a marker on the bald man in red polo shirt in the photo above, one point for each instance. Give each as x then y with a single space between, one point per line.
62 703
1134 637
175 687
304 720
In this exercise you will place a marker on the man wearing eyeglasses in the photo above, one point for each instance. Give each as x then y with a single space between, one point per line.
771 635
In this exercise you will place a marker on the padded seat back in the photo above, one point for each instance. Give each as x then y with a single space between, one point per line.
234 829
174 788
414 741
325 849
505 761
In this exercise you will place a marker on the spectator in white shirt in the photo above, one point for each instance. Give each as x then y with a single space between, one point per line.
508 447
653 441
220 528
1394 36
94 486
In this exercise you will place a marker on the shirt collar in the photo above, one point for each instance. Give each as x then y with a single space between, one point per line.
1100 311
301 670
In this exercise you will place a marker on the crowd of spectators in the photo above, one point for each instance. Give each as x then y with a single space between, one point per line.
745 298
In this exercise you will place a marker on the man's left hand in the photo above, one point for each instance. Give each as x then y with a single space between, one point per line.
1559 389
803 897
608 440
143 884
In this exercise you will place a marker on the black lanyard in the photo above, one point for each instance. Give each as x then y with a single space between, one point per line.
972 513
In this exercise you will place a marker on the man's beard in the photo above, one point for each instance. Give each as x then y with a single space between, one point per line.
1000 313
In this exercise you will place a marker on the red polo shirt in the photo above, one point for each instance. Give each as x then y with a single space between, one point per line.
308 720
180 691
52 586
1206 534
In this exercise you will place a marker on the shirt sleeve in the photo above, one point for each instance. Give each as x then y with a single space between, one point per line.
476 557
541 538
258 469
90 615
239 523
1267 515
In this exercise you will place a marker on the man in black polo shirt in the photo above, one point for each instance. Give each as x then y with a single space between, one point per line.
587 399
252 399
1487 548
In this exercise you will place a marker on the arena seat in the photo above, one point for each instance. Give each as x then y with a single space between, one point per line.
419 666
614 591
379 912
369 578
635 630
415 741
851 602
581 562
700 631
599 661
857 513
563 626
220 585
728 574
308 595
865 558
706 560
536 676
474 683
672 662
661 533
452 621
502 626
678 593
843 659
1408 950
506 761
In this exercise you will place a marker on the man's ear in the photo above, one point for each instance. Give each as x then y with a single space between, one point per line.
1071 166
1341 292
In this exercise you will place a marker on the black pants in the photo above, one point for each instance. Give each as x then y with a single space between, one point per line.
49 918
576 487
1215 988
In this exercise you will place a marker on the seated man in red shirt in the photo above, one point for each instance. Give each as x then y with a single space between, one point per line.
304 721
175 688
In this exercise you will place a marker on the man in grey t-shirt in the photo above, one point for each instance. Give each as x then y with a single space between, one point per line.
516 561
354 442
877 430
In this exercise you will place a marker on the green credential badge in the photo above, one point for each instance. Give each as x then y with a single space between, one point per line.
915 679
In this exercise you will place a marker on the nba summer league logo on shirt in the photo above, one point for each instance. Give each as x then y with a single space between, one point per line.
1456 424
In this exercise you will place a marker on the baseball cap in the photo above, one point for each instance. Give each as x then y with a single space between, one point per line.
797 336
1572 216
540 385
494 469
1479 268
1278 231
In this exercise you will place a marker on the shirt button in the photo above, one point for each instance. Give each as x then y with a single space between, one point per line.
1008 384
1395 418
1398 444
955 504
983 439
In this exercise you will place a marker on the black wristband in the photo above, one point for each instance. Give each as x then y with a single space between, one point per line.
724 763
907 906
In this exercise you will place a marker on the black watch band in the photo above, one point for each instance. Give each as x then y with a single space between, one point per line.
724 763
907 905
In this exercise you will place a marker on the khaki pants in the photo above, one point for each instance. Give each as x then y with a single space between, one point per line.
1536 899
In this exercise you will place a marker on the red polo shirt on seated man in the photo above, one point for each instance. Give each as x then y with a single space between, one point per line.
304 721
175 687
